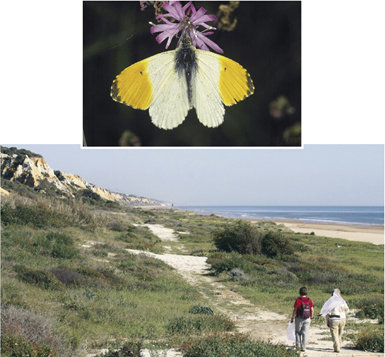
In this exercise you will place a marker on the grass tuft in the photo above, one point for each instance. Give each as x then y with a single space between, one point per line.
234 346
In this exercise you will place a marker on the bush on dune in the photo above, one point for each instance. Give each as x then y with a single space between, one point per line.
246 238
26 333
241 237
274 244
41 278
371 307
57 245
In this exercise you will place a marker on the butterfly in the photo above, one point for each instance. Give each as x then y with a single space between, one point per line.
171 83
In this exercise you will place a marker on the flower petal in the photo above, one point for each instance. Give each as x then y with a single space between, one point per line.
174 9
180 25
188 5
208 42
198 14
163 27
161 37
203 19
164 18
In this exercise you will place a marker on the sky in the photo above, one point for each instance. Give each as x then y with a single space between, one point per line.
314 175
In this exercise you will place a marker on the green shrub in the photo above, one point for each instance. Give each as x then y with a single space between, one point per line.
73 303
68 276
60 250
199 253
59 175
38 216
110 277
370 340
241 237
41 278
100 278
371 307
320 270
228 263
129 349
90 273
140 238
21 153
198 309
216 257
275 244
57 245
13 345
200 324
245 238
119 226
234 346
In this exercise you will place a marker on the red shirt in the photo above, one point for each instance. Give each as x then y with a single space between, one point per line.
298 304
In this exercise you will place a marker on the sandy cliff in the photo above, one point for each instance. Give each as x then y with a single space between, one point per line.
32 170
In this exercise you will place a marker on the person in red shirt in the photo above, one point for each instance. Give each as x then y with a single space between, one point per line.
302 312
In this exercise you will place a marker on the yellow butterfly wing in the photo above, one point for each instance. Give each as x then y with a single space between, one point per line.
153 83
133 86
219 80
235 83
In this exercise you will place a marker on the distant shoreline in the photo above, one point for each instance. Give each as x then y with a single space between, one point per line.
368 233
344 215
354 232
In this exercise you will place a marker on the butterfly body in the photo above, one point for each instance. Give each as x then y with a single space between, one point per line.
186 65
171 83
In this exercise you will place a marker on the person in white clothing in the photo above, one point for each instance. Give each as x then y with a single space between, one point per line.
335 309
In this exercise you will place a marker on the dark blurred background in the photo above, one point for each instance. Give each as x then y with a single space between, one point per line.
263 36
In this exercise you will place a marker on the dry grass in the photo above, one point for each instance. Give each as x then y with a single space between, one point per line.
56 211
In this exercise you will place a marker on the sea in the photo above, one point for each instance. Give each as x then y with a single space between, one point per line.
359 215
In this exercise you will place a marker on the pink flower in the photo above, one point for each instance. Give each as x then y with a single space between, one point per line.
185 22
143 5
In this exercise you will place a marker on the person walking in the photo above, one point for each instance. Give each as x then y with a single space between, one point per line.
302 313
335 309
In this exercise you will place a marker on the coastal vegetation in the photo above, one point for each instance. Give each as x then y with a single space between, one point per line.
69 286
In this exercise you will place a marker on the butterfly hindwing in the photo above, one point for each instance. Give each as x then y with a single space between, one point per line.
206 97
170 103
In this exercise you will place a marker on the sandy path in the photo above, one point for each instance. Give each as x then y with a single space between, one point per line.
249 319
165 234
358 233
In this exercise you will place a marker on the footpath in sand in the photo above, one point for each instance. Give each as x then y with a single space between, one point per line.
249 319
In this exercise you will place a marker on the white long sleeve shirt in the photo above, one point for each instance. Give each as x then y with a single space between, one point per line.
340 310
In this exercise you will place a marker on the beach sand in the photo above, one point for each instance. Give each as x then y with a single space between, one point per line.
359 233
